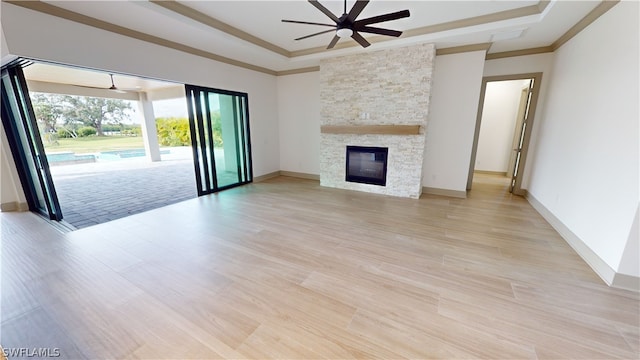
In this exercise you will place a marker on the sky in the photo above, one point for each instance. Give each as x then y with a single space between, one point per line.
170 108
161 109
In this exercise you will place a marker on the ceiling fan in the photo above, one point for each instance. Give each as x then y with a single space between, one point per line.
347 25
113 87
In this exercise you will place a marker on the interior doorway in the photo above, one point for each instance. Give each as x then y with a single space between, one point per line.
503 128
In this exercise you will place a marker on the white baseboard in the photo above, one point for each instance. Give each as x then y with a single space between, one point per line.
444 192
606 273
628 282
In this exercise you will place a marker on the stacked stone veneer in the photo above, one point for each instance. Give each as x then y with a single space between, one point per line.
391 86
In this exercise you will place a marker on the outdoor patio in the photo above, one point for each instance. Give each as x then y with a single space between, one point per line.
94 193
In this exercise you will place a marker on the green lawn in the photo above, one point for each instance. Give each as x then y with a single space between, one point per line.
94 144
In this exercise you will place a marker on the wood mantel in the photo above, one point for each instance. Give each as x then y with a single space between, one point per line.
371 129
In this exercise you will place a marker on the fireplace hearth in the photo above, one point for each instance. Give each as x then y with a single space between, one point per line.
367 165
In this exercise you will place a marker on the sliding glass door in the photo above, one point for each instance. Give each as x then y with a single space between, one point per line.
219 124
20 124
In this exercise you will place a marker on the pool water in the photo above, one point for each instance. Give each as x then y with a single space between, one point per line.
69 157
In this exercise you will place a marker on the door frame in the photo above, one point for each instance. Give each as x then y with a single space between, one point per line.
202 143
25 142
522 112
537 79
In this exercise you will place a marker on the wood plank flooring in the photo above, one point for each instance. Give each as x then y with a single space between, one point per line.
288 269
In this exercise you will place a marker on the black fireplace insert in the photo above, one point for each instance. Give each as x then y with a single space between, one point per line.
367 165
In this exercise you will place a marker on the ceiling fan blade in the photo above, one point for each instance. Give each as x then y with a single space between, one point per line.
357 9
89 87
380 31
319 33
307 23
382 18
102 88
324 10
333 42
362 41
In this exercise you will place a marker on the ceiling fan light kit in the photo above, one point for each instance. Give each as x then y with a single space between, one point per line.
347 25
344 32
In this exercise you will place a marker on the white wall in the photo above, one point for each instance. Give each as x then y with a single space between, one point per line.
299 116
11 194
497 128
450 128
4 49
457 80
10 191
519 65
75 44
587 157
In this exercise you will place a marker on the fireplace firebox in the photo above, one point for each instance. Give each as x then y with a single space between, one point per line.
367 165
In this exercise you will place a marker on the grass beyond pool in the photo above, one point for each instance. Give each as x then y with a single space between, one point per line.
95 144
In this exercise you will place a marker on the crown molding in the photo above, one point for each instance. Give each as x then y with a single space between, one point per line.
298 71
543 5
476 20
186 11
598 11
193 14
444 51
594 14
463 49
531 51
93 22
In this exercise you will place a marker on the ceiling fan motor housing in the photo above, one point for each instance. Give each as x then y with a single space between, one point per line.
344 27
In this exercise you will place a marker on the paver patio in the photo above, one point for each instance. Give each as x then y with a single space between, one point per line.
95 193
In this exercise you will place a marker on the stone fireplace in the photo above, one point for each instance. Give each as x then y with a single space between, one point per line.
376 100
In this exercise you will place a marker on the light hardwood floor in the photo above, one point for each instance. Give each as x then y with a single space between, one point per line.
288 269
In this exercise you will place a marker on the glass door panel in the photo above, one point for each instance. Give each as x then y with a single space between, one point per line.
228 157
220 138
24 139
